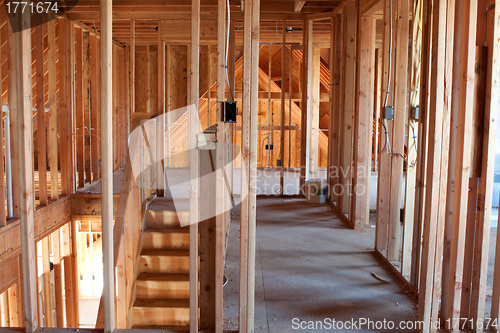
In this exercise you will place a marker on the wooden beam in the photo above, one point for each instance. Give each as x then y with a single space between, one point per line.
298 5
220 166
95 105
433 228
58 278
305 104
193 131
24 139
3 185
8 276
363 121
107 163
348 91
400 91
66 98
47 220
80 136
315 94
485 190
86 107
466 52
47 290
282 114
40 115
52 103
160 123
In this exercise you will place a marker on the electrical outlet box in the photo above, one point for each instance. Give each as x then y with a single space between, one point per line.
269 147
230 112
278 163
415 114
388 113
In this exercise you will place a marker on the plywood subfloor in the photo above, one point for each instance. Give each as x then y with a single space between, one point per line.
311 266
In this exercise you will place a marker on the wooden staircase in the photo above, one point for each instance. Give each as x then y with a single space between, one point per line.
162 283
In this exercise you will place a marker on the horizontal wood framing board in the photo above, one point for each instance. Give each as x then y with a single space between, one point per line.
82 204
47 220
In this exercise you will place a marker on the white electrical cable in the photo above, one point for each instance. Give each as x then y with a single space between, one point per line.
387 142
227 47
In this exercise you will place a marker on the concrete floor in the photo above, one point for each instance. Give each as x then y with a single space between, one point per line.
311 266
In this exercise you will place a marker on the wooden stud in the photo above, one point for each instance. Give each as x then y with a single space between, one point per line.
52 104
40 116
86 68
47 290
485 190
66 98
94 108
282 114
4 305
314 115
107 164
80 112
160 123
13 117
433 231
305 104
363 121
220 166
348 91
58 278
132 67
193 129
3 215
463 153
400 78
24 139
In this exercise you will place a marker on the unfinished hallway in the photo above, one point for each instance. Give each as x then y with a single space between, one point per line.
249 166
310 267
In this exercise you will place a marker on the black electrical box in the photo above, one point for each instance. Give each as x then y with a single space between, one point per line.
269 147
415 113
230 112
388 113
278 163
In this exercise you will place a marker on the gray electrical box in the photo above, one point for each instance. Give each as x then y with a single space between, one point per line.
388 112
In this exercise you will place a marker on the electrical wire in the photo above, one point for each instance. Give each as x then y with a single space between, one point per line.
227 48
387 142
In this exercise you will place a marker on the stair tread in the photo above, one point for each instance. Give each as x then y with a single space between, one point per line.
164 329
167 230
165 252
163 277
167 205
161 303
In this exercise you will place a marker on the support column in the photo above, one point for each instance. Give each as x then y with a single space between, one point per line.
305 104
24 129
220 167
363 121
249 165
107 164
193 131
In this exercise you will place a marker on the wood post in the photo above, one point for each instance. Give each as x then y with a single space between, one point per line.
221 154
305 104
24 139
193 131
40 115
107 164
160 120
282 114
461 164
363 121
315 91
249 165
433 228
52 103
